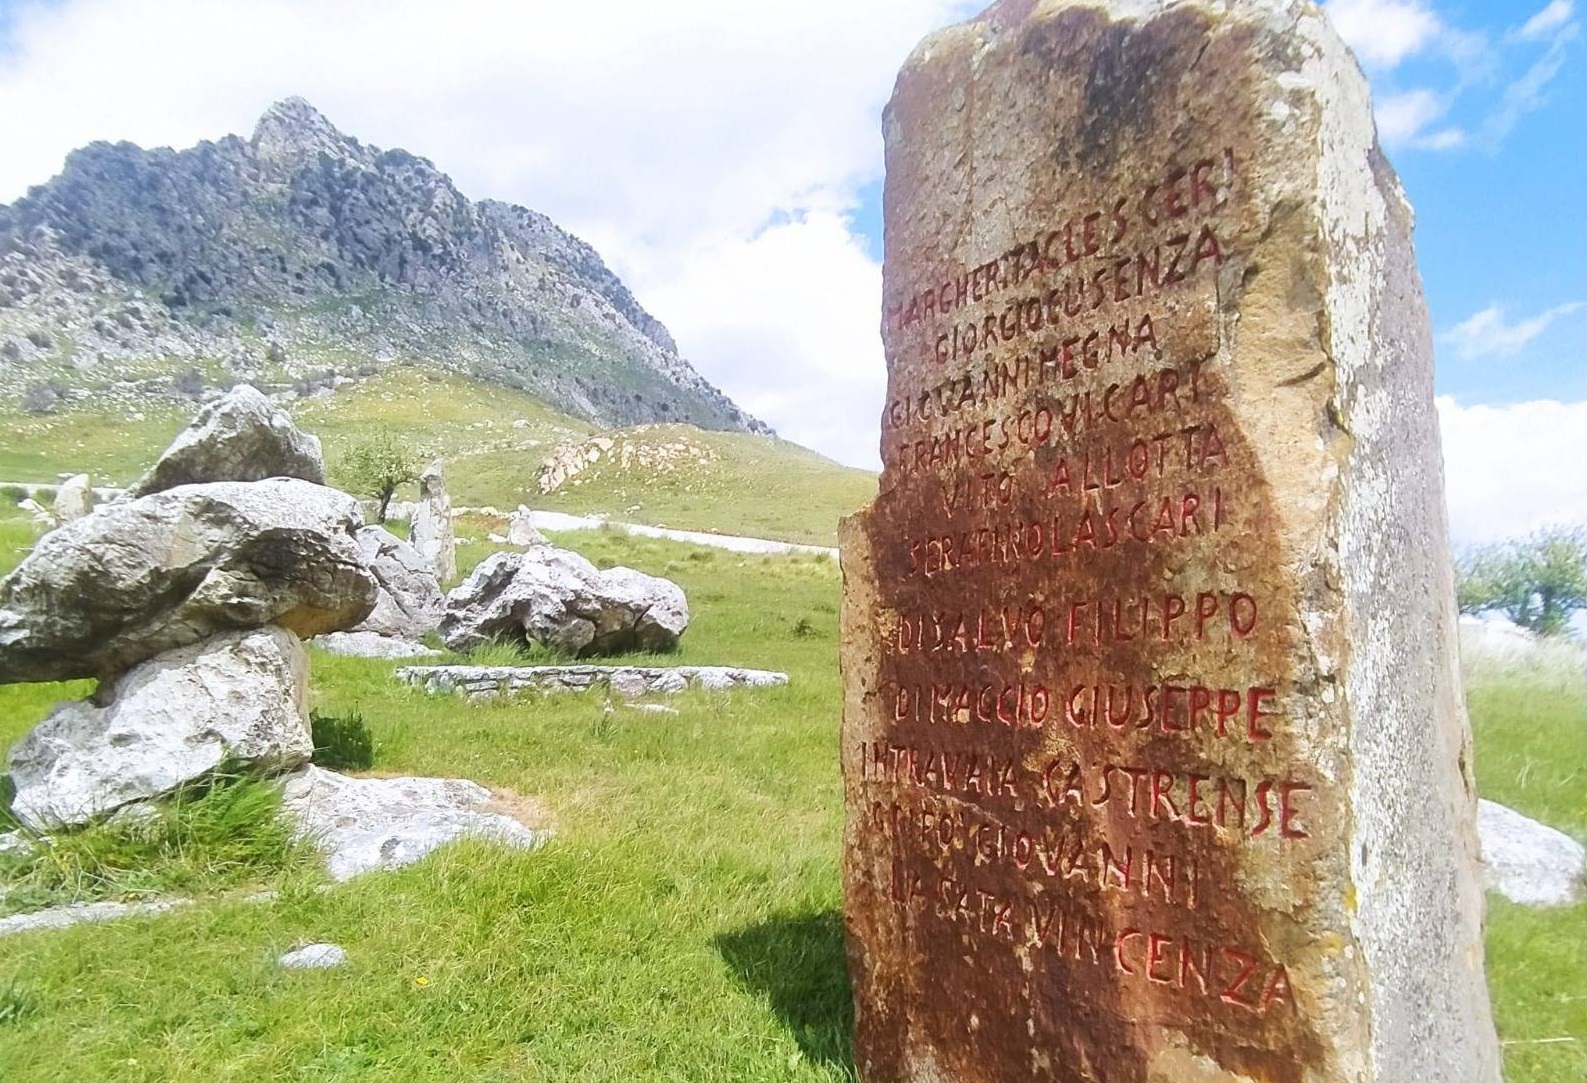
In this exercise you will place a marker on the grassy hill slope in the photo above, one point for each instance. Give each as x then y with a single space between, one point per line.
494 440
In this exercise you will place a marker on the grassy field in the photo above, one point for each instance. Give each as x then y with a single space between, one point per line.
681 927
493 440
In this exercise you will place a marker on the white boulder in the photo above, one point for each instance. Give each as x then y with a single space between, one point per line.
409 602
555 597
145 576
1528 862
74 499
241 436
235 700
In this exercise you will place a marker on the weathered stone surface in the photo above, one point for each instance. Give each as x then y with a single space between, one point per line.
360 644
430 528
74 499
237 699
521 529
555 597
241 436
64 917
1155 756
1528 862
630 681
409 602
134 579
314 957
362 824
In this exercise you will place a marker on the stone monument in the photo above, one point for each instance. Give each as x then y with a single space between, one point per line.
1156 763
430 529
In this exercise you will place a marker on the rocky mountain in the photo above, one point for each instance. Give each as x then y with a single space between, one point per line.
302 257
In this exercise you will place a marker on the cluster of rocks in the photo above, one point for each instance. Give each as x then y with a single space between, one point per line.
627 681
630 450
188 601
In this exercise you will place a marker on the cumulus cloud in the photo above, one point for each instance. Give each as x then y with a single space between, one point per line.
1385 33
683 139
1510 470
1491 333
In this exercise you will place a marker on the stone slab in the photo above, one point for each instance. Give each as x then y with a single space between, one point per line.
1155 757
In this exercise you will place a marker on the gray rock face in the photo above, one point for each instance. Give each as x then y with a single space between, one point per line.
1528 862
409 602
100 261
358 644
237 699
629 681
430 529
551 596
74 499
361 824
241 436
135 579
314 957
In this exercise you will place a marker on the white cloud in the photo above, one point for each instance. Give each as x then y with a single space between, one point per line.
1528 93
667 134
1384 33
804 299
1403 117
1540 26
1491 333
1509 470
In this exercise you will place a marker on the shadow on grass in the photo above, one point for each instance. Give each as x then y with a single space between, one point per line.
796 961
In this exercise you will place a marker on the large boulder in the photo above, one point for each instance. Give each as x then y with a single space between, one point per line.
409 602
241 436
135 579
551 596
234 700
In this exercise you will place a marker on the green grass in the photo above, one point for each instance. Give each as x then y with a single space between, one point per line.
681 926
493 440
1530 721
218 837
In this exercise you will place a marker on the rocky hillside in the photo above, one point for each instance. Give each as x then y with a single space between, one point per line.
302 257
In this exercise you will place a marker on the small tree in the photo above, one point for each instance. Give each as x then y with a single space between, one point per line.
376 466
1537 582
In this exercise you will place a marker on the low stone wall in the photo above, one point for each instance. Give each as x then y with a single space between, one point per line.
629 681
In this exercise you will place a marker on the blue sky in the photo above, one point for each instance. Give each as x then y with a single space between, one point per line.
724 157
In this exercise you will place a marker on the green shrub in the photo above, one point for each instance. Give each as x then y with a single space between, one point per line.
13 494
342 741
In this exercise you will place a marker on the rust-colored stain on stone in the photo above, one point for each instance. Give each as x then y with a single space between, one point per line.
1093 763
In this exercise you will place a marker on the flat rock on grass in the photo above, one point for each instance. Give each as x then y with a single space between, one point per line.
64 917
1528 862
314 957
629 681
362 824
